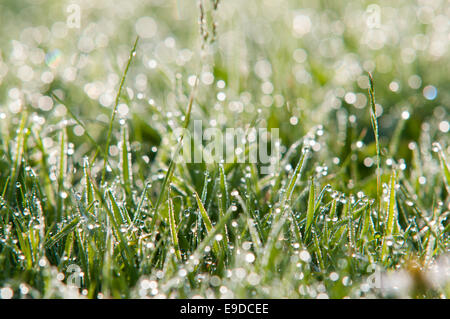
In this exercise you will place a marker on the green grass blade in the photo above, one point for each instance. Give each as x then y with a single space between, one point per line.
296 175
374 121
206 221
223 188
311 207
444 166
389 228
89 196
203 213
62 169
65 231
125 156
20 145
173 230
137 214
116 104
118 217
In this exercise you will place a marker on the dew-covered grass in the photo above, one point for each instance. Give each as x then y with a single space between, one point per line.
93 203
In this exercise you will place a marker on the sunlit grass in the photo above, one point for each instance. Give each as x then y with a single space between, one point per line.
93 202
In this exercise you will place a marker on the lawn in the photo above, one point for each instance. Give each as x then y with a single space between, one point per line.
224 149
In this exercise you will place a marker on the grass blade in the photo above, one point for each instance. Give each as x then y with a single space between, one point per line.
116 104
297 174
65 231
125 165
389 229
206 221
444 166
20 144
374 121
311 207
173 229
61 173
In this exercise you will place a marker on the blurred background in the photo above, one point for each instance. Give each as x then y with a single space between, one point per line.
300 66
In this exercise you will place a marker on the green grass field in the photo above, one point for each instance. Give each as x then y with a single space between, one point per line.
95 204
